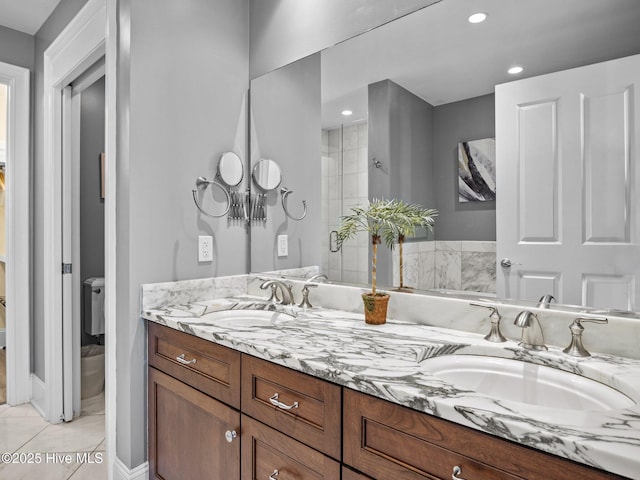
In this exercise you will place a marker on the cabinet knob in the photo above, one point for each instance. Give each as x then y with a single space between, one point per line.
456 471
229 435
276 403
274 475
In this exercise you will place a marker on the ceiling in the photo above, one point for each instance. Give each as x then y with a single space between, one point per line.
25 15
439 56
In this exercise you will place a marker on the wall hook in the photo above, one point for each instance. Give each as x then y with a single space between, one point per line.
202 182
285 193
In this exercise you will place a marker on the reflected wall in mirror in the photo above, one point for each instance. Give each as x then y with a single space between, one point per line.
420 85
267 174
230 169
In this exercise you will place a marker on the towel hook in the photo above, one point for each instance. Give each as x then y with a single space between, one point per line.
285 193
202 182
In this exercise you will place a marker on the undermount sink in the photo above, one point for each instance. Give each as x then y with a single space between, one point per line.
523 382
248 318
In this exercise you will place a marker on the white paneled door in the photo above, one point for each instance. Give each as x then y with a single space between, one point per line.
567 185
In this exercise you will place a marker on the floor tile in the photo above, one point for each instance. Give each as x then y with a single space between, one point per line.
93 405
16 431
24 410
84 433
46 470
91 471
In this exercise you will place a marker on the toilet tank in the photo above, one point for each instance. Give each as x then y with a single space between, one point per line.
93 311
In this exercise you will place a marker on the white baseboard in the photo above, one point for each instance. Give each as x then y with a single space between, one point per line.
121 472
39 396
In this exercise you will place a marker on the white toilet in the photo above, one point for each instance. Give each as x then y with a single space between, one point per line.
92 356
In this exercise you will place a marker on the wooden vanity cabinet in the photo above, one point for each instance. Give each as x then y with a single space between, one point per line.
386 440
187 433
267 453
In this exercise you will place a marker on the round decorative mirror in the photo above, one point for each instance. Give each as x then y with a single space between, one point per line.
267 174
230 169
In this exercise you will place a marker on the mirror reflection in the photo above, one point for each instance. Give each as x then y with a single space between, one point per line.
267 174
230 169
398 102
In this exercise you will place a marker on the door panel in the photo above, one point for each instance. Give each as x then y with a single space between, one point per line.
567 213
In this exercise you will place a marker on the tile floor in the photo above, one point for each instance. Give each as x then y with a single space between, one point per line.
73 450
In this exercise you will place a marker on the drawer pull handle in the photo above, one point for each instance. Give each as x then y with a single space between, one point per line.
274 401
456 471
229 435
274 475
180 358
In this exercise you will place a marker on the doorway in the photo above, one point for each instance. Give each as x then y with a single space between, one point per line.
14 229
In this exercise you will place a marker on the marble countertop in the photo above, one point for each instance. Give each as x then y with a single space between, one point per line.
389 361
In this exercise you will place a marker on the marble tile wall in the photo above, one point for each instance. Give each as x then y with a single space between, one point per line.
344 185
450 265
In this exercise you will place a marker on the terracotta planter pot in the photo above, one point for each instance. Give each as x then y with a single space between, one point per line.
375 308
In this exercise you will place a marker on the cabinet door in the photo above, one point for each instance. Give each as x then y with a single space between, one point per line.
267 453
187 433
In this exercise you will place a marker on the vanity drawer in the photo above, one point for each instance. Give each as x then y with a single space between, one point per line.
386 440
265 450
299 405
212 369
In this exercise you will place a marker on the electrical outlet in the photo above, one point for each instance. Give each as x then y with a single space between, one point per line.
283 245
205 248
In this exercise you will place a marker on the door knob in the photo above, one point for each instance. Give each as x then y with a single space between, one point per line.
507 263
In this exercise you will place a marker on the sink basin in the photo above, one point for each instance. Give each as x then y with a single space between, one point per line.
517 381
248 318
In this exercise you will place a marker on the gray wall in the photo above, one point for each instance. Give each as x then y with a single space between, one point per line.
400 138
56 22
182 101
286 127
92 116
283 31
17 48
470 119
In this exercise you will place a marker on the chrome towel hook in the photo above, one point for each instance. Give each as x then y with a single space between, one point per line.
202 182
285 193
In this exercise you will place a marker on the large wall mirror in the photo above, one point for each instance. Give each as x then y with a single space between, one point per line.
400 111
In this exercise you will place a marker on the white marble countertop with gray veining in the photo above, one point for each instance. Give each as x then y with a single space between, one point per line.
390 361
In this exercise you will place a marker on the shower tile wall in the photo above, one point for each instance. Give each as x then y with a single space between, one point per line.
451 265
344 185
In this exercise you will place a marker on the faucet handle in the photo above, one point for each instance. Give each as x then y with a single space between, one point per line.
305 295
576 348
495 335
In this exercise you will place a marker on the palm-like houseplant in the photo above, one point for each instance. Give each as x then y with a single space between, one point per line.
410 216
379 219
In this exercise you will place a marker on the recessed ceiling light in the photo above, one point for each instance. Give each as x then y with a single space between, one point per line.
478 17
515 70
346 113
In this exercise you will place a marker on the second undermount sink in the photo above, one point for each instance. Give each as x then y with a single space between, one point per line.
523 382
248 318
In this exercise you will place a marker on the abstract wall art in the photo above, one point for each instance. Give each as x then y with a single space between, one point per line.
477 170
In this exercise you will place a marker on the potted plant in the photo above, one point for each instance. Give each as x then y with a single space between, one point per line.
379 219
410 216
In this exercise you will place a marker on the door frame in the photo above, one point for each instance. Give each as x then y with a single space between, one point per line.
17 207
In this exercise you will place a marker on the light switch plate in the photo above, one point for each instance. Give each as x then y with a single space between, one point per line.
205 248
283 245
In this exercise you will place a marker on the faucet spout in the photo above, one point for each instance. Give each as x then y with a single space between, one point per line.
285 290
532 336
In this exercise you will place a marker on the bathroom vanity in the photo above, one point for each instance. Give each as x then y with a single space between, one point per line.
240 388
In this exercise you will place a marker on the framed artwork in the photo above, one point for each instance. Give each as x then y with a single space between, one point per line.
477 170
102 160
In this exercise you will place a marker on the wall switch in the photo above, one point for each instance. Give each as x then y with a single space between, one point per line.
205 248
283 245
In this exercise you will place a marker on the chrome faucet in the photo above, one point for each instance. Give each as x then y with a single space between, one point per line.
576 348
317 276
285 290
532 337
494 316
305 303
546 300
